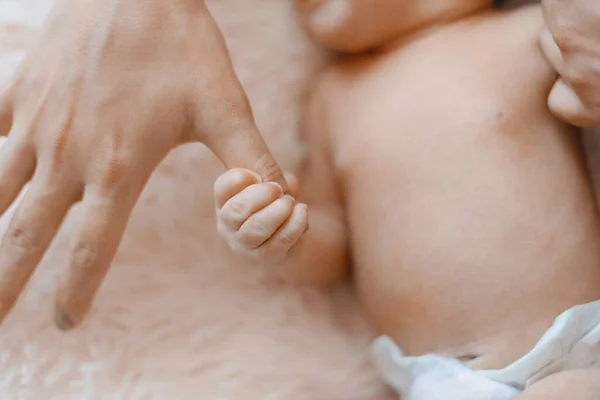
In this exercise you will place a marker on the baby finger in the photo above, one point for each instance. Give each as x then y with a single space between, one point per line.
262 225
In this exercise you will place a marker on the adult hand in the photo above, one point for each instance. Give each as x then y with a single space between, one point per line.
110 89
571 44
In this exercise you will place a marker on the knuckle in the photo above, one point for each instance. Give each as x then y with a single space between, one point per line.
235 211
115 171
287 239
257 228
251 235
20 237
84 259
59 149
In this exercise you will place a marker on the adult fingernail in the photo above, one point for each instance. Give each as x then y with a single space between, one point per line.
62 320
306 211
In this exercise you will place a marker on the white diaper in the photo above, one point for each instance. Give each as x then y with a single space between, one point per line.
572 342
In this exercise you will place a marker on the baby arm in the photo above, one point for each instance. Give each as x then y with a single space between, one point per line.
259 220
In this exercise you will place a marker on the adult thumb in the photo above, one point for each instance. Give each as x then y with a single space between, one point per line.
566 105
247 149
223 118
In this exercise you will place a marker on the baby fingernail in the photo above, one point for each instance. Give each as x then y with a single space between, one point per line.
62 320
256 176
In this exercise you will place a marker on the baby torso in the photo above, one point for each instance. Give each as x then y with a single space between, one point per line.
471 217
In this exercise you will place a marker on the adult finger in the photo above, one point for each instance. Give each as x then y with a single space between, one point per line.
551 51
223 116
29 234
17 163
101 225
567 106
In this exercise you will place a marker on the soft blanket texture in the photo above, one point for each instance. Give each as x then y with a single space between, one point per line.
178 317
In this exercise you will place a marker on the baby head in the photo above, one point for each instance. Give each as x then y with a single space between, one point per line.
353 26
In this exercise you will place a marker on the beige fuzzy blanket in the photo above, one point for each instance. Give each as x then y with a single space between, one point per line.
177 318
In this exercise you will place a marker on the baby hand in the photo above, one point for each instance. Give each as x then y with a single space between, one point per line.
257 218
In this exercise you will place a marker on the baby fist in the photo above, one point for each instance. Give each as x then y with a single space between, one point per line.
257 218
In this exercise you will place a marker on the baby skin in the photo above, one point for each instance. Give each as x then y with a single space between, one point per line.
435 169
